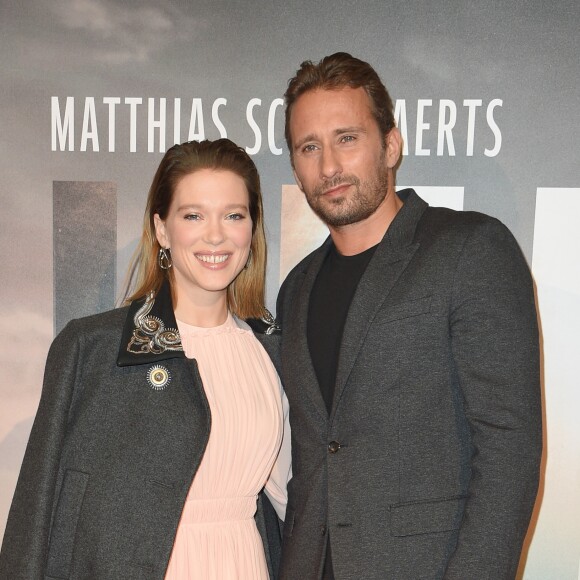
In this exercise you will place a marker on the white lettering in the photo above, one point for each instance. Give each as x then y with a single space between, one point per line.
152 124
176 121
112 102
133 102
445 127
89 119
401 122
63 127
494 128
472 105
425 128
421 126
271 127
196 116
258 141
216 120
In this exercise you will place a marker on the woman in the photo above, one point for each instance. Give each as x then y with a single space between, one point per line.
160 422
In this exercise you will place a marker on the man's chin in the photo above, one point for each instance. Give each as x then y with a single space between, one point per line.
338 220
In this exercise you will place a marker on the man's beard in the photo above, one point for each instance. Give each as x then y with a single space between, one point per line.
357 206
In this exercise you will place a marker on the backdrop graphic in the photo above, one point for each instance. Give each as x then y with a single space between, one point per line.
92 92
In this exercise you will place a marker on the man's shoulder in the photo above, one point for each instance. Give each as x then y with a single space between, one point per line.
448 223
301 267
469 237
293 278
454 218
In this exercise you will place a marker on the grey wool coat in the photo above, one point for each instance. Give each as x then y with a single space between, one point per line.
428 465
112 453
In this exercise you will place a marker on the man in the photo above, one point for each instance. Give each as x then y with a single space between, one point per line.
409 356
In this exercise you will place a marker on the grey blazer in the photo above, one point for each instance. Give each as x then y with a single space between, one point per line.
112 453
428 465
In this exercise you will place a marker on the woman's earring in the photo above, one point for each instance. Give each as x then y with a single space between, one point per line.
164 259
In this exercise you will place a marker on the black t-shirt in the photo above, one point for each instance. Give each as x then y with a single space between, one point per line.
330 300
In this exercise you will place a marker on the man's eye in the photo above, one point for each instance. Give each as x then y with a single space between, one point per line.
348 138
192 216
308 148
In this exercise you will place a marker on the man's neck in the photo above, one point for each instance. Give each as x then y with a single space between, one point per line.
356 238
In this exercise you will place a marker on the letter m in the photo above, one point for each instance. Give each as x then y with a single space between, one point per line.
63 127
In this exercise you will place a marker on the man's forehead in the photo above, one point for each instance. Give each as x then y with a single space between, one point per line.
344 107
332 94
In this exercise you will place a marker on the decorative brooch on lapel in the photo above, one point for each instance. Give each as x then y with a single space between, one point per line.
150 334
158 377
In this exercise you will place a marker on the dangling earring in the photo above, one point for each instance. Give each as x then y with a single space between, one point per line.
249 260
164 259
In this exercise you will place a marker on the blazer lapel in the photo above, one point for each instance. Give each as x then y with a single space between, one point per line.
296 354
386 266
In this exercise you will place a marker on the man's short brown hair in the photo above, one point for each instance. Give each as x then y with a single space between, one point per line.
337 71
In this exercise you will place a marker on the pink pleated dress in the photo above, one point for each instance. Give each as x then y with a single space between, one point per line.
217 537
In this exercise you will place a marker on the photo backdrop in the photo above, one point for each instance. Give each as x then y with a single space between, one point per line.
92 92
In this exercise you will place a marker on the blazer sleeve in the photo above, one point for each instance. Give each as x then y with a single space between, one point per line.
25 545
495 343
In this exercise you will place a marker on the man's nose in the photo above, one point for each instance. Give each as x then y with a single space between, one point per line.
329 163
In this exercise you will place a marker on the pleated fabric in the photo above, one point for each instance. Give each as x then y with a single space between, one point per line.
217 538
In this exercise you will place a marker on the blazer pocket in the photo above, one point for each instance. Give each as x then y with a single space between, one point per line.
63 533
404 310
426 517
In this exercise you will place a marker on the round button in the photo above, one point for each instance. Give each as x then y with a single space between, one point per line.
333 446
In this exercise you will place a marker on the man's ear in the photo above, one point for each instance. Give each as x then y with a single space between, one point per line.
161 232
394 146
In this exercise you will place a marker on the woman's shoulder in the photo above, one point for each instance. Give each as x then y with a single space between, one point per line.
268 333
99 333
111 321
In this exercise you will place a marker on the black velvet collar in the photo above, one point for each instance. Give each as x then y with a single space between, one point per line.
150 333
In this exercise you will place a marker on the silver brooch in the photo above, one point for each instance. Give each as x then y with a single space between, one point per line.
273 326
158 377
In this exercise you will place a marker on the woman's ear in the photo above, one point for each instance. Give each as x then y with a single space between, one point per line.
161 232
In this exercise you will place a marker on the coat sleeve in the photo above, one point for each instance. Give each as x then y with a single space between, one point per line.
276 486
494 336
281 473
25 546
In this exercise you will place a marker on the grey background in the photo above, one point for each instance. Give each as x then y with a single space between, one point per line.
85 248
525 53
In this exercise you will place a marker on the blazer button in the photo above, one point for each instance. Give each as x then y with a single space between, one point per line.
333 446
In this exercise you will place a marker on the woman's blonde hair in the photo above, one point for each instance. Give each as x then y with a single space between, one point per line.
246 294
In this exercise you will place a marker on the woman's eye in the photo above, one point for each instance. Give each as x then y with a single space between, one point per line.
192 216
236 216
